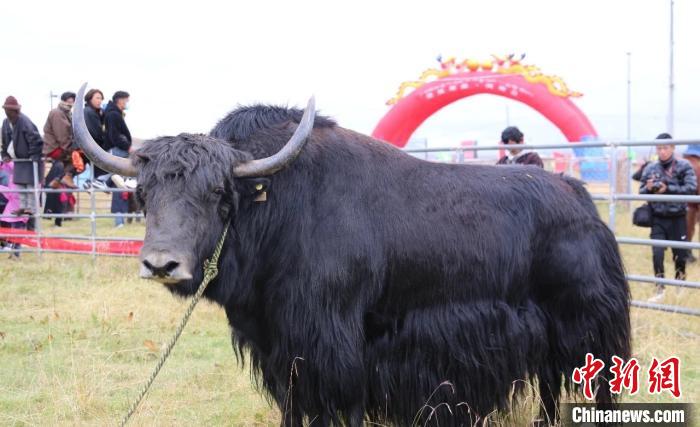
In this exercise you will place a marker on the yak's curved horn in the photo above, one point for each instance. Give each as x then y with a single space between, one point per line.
270 165
99 157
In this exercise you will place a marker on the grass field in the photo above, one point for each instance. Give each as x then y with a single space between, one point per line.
79 337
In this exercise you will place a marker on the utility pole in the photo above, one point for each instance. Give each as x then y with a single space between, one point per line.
630 153
671 86
629 96
51 97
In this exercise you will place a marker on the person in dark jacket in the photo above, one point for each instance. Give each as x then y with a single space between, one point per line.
116 131
668 175
94 116
118 142
23 136
94 119
512 136
637 176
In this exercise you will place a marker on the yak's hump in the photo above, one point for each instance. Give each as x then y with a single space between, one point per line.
241 123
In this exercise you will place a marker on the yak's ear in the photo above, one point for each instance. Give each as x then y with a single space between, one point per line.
253 187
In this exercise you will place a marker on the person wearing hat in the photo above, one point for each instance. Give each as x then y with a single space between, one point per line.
512 136
20 134
692 155
670 176
58 137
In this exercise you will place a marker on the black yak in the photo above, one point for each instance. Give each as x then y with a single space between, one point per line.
368 285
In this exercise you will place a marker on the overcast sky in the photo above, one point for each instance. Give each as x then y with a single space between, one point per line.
187 65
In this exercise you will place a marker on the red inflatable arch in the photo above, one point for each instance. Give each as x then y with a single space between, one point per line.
509 78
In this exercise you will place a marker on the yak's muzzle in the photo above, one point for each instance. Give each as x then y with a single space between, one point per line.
164 267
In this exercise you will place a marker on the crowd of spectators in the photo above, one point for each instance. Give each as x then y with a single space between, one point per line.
25 151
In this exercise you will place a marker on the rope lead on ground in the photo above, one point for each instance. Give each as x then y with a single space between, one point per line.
210 271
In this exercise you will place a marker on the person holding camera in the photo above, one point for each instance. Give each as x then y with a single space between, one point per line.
668 176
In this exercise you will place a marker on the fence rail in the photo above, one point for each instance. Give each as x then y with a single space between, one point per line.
78 216
667 308
72 237
661 281
70 252
647 198
40 237
569 145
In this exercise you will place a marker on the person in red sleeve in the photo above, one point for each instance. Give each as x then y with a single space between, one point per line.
58 137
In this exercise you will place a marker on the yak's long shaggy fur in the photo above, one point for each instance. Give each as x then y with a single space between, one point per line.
368 277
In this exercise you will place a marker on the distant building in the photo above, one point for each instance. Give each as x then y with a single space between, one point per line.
469 154
417 144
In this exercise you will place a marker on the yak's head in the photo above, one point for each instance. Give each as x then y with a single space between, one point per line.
190 187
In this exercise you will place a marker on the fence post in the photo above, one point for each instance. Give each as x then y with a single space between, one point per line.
629 180
93 224
77 195
613 186
570 166
37 205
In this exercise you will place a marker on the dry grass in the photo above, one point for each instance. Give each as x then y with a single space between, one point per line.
78 338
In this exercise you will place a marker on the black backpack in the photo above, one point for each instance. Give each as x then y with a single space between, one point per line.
642 216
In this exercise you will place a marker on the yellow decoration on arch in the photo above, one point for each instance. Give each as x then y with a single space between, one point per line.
502 65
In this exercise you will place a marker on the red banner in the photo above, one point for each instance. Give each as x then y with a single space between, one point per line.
106 247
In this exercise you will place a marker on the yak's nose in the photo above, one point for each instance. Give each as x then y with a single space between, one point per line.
164 267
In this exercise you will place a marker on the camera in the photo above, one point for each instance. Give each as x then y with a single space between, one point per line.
656 186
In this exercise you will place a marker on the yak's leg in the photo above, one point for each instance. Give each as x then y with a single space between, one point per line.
354 419
550 390
320 421
291 417
356 416
583 290
287 398
325 377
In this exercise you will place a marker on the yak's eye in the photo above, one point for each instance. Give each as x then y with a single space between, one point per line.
220 191
140 195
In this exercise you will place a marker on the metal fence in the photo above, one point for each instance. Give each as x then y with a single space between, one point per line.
93 213
612 196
